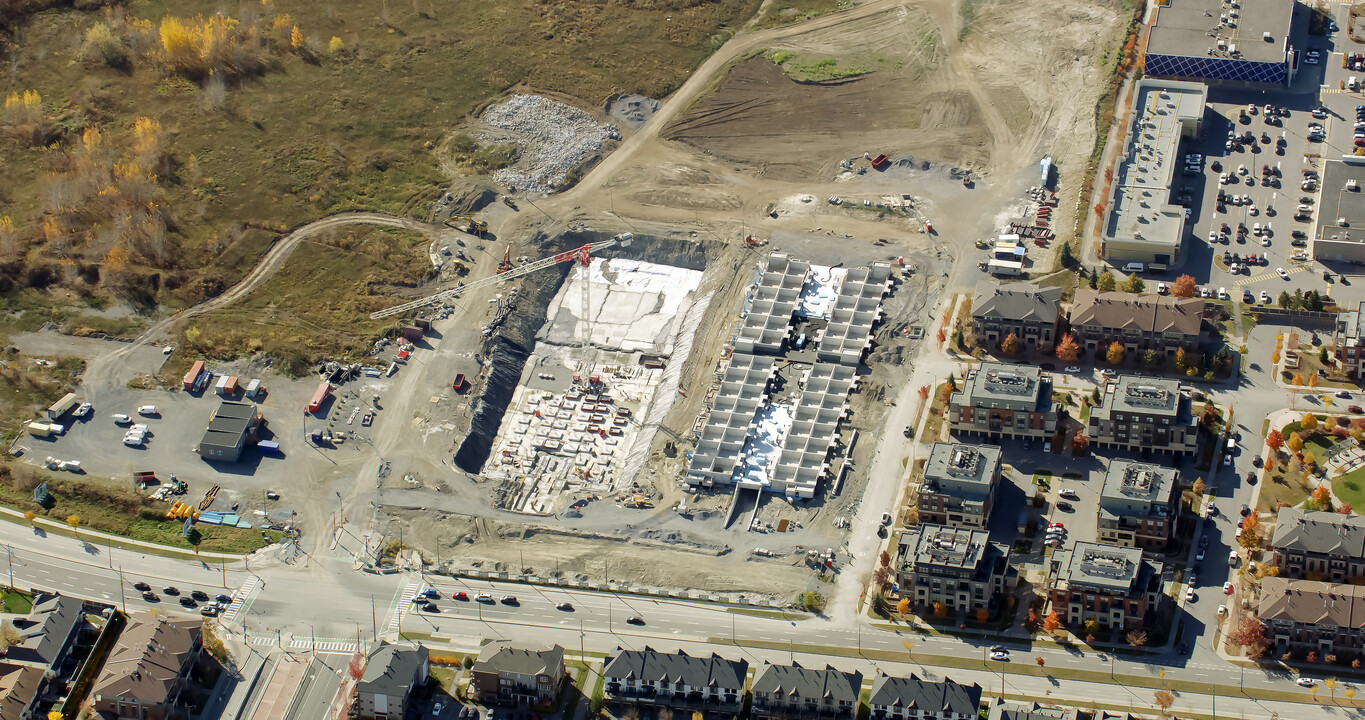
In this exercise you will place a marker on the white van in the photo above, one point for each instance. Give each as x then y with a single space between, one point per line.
1134 267
121 419
1352 83
146 410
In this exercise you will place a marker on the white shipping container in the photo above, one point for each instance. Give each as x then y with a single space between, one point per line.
252 388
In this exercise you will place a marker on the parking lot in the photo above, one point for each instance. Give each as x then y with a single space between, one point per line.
1252 206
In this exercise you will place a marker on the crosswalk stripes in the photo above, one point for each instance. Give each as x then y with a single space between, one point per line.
1269 276
332 646
239 598
404 602
262 640
1331 91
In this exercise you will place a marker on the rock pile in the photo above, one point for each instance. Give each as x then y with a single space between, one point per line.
553 139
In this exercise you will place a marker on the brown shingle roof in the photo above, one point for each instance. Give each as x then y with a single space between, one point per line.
148 657
1131 311
18 688
1312 603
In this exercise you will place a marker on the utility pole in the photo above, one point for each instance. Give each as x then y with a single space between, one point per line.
374 624
10 554
122 596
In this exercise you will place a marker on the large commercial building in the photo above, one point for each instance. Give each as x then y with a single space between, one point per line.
1138 505
1004 400
1216 40
1340 214
1142 225
959 485
958 567
1116 587
1144 413
1029 312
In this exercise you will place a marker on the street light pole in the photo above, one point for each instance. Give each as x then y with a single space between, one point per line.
10 554
122 596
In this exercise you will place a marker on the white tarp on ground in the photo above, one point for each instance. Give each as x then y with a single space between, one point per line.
820 291
761 448
634 305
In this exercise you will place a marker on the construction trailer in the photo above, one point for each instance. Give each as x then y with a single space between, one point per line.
61 407
191 380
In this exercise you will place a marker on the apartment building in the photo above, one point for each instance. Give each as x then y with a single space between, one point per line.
1144 413
1029 312
911 698
959 484
1138 505
507 675
1114 586
792 692
1347 346
998 400
393 672
1137 322
958 567
713 686
1303 616
148 667
1319 545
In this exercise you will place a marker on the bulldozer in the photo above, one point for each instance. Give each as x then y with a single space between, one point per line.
468 224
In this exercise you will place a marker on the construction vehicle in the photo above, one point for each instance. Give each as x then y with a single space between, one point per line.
638 501
506 264
468 224
507 200
582 255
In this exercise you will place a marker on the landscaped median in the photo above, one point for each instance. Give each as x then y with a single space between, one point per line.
71 506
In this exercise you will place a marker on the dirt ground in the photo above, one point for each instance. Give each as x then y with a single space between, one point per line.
991 89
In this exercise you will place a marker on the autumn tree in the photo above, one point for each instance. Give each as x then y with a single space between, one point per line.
1134 284
1080 443
923 392
1322 497
1115 353
1275 440
1051 623
1067 349
1164 700
1180 358
1198 487
1295 442
1105 281
982 615
903 607
29 515
1010 345
1312 381
335 46
1137 638
1309 422
1329 423
1250 636
940 610
1183 287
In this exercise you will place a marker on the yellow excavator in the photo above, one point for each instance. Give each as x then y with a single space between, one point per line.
467 224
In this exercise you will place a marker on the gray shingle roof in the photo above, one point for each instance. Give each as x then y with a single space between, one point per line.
501 657
391 669
1016 301
934 697
796 681
1002 710
1322 533
46 629
650 665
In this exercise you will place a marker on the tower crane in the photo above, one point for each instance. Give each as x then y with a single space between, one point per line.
582 255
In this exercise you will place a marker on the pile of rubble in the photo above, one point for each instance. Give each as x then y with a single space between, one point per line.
553 139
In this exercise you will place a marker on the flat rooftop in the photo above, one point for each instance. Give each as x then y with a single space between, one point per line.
1132 486
966 471
1192 27
947 547
1140 209
1114 569
1140 395
1336 203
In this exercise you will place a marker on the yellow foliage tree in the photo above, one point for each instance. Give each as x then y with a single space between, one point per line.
295 38
29 515
1309 422
903 607
335 46
1312 381
1115 353
1356 432
1294 442
1329 423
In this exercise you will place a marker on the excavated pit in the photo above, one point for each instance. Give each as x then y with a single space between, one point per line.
513 343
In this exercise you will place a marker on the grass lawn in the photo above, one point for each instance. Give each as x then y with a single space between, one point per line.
112 508
1275 489
1351 488
16 602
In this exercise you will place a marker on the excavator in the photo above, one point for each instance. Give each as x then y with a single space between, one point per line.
468 224
506 263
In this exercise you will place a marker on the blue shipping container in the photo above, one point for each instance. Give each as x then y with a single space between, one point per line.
269 446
